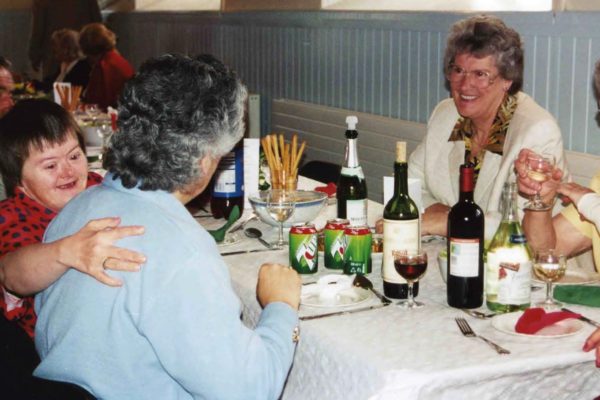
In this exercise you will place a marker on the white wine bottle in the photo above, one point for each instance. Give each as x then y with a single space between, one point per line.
352 187
401 228
509 261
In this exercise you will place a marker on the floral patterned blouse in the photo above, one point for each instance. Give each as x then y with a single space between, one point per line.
23 222
463 130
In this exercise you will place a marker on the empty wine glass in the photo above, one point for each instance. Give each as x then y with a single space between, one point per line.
411 265
539 168
105 131
549 266
280 206
92 111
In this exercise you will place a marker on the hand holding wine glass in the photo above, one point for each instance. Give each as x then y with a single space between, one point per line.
280 206
411 265
549 266
529 186
539 168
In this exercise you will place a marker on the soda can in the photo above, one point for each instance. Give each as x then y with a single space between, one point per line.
304 255
335 245
357 257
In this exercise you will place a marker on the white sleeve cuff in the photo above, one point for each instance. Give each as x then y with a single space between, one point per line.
589 206
11 301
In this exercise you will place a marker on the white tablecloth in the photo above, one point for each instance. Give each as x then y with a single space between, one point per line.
391 353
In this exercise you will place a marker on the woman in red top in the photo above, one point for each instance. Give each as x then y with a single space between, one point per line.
43 164
110 70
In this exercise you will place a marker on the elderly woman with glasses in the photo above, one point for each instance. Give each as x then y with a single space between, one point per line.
485 123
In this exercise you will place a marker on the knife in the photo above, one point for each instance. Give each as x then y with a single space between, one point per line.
231 253
332 314
584 319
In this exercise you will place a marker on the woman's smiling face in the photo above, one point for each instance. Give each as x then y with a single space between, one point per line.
480 104
54 175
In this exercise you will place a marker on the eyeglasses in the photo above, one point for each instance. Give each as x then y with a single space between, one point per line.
481 78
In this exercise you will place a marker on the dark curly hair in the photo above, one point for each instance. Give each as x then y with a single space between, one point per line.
32 123
175 111
486 35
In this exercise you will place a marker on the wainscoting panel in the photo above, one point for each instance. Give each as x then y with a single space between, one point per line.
323 129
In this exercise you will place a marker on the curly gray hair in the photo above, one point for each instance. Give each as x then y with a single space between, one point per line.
173 113
486 35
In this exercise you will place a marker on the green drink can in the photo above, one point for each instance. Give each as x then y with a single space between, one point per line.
335 244
304 255
357 257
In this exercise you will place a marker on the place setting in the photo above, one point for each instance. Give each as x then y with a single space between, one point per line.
339 294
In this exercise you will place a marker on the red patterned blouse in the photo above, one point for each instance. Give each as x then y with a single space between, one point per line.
23 222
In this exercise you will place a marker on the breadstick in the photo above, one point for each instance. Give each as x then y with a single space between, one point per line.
299 155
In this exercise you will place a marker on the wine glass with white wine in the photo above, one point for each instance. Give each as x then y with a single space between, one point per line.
539 168
280 206
549 266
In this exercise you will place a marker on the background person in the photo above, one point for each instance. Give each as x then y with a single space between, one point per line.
43 165
51 15
576 228
486 121
174 329
73 67
7 85
110 70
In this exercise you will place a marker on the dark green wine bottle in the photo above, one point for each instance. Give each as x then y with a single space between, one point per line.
401 228
352 187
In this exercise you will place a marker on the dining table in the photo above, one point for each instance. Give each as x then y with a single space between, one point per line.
388 352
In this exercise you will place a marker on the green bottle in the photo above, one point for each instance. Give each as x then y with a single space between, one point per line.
401 228
352 187
509 261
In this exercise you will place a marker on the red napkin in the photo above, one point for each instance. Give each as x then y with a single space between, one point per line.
534 319
329 190
113 121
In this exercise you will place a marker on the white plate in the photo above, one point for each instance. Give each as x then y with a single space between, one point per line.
506 323
344 298
433 239
573 276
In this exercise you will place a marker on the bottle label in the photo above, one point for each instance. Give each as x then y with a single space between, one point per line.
464 257
355 171
518 239
508 276
356 212
229 177
398 235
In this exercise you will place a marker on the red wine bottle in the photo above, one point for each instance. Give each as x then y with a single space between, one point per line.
465 247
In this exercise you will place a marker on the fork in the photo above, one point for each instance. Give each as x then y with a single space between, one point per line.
466 330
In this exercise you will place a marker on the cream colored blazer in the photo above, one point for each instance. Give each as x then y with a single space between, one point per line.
436 161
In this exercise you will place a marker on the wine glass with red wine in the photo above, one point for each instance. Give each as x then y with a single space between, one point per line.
411 265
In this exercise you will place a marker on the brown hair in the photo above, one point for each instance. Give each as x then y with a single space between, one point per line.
486 35
65 45
31 123
96 39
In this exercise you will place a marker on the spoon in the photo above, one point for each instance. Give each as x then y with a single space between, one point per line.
364 282
243 224
478 314
256 234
